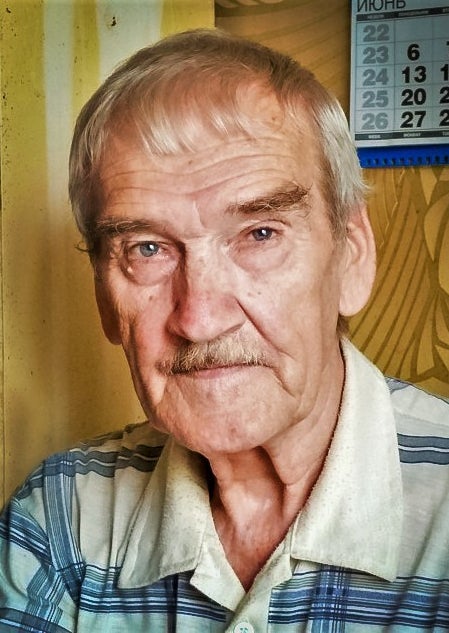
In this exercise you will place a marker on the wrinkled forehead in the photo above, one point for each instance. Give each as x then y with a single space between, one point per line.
221 172
214 155
186 123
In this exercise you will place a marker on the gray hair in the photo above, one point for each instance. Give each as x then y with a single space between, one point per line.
163 91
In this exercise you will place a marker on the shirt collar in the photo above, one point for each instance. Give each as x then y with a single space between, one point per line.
171 521
351 519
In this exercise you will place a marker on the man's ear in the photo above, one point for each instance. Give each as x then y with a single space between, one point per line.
108 316
359 263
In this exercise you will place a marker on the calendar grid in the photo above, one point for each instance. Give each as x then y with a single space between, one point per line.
400 81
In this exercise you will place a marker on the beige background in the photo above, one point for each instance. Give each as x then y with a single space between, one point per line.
61 381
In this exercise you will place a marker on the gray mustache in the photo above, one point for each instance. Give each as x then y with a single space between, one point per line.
191 357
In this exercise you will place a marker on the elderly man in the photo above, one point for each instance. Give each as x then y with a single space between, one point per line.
220 199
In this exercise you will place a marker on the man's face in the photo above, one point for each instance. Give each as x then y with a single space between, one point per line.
225 257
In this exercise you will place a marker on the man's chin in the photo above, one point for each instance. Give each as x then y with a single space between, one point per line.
217 430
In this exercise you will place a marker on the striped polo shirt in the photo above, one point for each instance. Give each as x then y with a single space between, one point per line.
117 534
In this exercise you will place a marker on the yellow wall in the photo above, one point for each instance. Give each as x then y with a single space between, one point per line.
405 327
61 380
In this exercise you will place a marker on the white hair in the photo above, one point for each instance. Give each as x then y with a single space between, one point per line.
163 91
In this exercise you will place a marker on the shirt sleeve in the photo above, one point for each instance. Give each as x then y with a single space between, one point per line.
34 594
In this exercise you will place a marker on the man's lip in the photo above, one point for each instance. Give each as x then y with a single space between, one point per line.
215 371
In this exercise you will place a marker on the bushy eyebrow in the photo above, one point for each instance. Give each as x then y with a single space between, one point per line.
110 227
276 201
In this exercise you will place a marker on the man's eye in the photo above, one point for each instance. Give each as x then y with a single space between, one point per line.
263 233
146 249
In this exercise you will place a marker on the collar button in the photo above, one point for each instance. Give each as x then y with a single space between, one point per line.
243 627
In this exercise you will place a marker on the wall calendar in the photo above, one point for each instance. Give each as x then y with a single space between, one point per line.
400 82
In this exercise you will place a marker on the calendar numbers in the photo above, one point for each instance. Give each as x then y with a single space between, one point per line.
373 121
445 70
413 52
376 33
412 119
375 99
411 97
400 79
417 74
373 78
376 55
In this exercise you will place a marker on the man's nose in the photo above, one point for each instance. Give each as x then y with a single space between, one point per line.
205 303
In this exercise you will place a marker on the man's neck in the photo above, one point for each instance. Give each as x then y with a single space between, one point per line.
253 516
258 493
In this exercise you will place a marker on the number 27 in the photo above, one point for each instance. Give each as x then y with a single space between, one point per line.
408 118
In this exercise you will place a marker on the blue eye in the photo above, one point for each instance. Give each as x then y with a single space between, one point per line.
262 234
148 249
